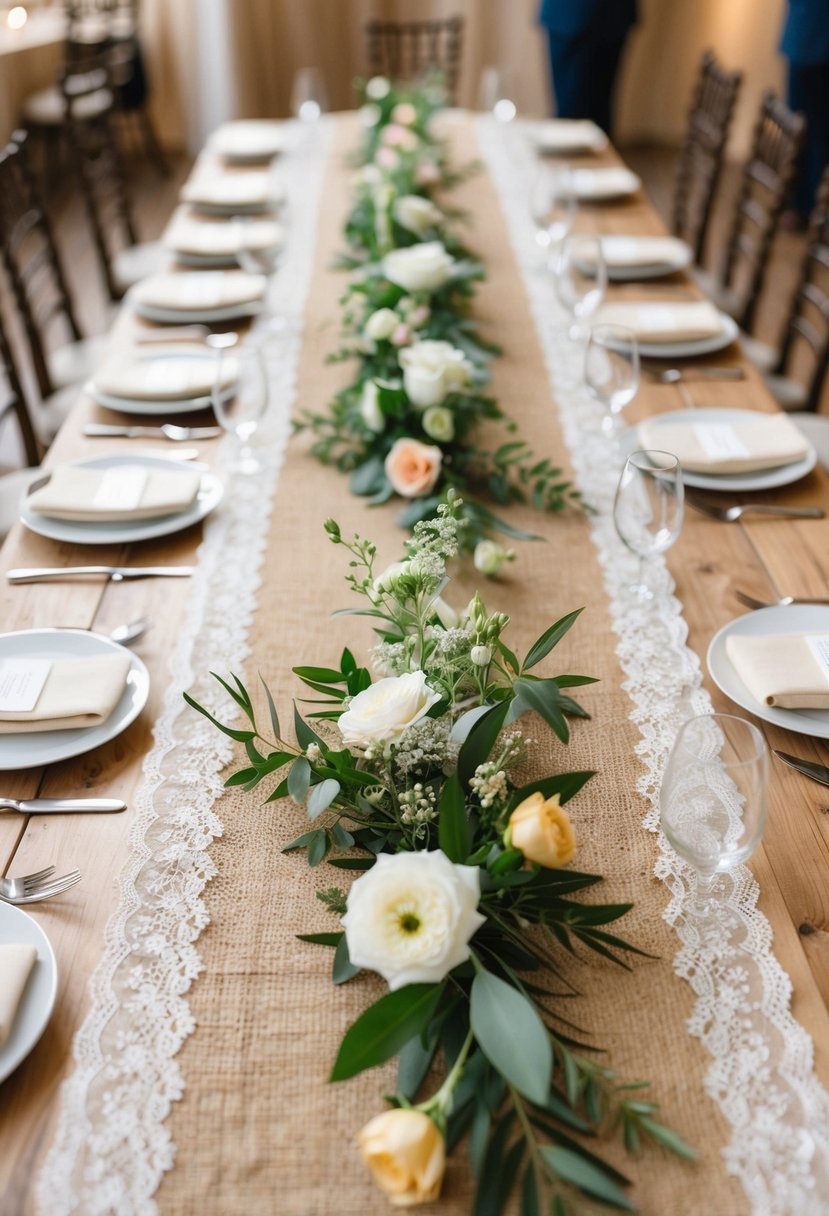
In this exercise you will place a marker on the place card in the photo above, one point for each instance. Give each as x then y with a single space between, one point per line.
21 683
120 489
720 440
818 643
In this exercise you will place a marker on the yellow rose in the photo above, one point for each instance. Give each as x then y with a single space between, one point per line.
542 830
406 1155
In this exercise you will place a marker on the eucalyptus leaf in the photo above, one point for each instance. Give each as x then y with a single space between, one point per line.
343 969
385 1027
571 1167
321 796
454 833
271 709
512 1035
549 638
299 779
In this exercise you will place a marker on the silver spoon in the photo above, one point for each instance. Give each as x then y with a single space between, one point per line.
125 635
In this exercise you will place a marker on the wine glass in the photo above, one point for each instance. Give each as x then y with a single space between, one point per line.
552 205
494 94
240 411
308 95
611 370
648 509
581 279
713 799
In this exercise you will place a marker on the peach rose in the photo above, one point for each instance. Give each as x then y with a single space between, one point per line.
541 829
413 467
406 1155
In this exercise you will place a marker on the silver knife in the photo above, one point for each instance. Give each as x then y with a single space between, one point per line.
55 806
104 430
818 772
116 573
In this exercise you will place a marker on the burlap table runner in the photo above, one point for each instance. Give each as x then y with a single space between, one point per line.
259 1130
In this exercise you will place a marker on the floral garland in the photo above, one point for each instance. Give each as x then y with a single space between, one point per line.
406 423
412 782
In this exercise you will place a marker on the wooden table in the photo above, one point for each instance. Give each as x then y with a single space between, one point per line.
708 562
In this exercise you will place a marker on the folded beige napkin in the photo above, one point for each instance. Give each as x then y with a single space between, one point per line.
242 189
200 291
164 378
249 139
77 692
760 441
220 238
788 670
604 182
16 963
568 134
126 492
655 321
636 250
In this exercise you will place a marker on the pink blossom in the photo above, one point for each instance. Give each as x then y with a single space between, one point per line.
395 136
387 158
402 336
427 174
404 113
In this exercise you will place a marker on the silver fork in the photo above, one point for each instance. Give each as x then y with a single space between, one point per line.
730 515
783 602
31 888
675 375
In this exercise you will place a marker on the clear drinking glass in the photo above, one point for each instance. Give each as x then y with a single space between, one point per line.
309 97
714 798
611 370
648 509
495 94
240 412
581 279
552 205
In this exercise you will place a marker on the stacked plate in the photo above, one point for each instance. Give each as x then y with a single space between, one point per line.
213 191
208 297
604 184
568 137
159 383
221 242
629 258
249 142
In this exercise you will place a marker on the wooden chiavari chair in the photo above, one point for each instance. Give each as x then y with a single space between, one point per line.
39 286
404 50
13 405
703 151
766 181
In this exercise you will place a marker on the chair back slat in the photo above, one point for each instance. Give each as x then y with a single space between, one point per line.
808 323
13 401
405 50
702 152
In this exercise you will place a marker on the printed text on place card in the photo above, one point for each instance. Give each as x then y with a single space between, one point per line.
720 440
21 683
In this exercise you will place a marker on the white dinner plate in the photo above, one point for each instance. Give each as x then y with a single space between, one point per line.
632 273
156 407
191 316
17 928
761 479
603 185
32 750
793 618
687 350
123 531
568 137
249 141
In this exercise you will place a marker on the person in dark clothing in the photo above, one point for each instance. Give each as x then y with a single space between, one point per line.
586 38
805 43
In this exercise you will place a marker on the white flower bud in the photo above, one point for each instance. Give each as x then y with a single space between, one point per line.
489 557
378 88
370 407
438 423
481 656
381 324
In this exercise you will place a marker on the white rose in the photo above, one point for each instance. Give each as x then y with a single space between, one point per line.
411 917
416 214
489 556
439 424
378 88
424 267
384 710
370 408
431 369
369 115
381 324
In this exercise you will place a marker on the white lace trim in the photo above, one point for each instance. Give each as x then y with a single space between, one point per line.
762 1074
112 1146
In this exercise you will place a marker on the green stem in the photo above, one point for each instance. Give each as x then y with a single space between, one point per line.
440 1102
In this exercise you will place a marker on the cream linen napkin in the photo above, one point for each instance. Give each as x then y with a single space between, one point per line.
108 495
16 963
200 291
77 693
253 189
249 139
636 250
568 134
178 377
604 182
220 238
654 321
762 441
783 669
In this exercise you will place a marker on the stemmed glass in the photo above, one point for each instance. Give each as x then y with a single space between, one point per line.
648 509
713 799
239 413
581 279
308 95
552 205
611 370
494 94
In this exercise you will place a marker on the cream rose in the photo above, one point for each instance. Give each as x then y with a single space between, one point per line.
381 324
425 267
489 556
411 917
405 113
370 410
541 829
384 710
416 214
413 467
406 1155
431 369
439 423
378 88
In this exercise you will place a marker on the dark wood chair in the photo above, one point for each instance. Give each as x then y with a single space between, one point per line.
39 287
703 150
405 50
13 406
94 148
766 181
795 371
